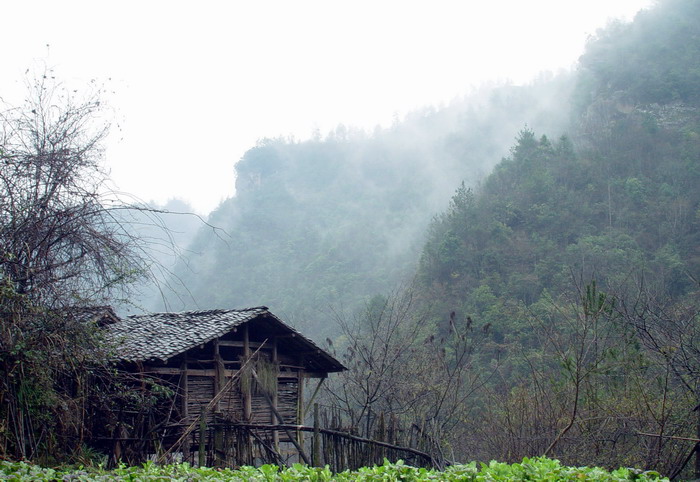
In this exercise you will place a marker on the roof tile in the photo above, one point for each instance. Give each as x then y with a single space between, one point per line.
164 335
160 336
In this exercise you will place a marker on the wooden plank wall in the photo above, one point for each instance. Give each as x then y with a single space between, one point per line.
200 391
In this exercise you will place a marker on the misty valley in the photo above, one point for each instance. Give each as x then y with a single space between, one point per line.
515 274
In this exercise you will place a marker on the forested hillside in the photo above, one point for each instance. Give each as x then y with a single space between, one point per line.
616 198
580 254
554 295
327 223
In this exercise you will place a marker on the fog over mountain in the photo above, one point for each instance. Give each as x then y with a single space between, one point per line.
328 222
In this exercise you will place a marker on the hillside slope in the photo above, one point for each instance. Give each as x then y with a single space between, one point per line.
324 224
617 201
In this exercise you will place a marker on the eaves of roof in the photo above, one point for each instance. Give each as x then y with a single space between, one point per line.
161 336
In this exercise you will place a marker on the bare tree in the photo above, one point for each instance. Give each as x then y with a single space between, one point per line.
59 237
669 328
62 245
398 365
587 390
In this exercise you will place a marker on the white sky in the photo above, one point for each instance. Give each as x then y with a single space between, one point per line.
197 83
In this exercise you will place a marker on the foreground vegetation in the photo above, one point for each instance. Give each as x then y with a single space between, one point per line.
529 469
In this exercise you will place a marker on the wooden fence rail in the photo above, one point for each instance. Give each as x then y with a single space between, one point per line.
238 444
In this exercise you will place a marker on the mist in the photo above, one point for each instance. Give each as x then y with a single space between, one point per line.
331 221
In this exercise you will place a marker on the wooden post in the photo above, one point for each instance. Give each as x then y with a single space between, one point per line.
219 376
381 437
247 397
275 433
184 398
697 446
219 452
202 435
219 384
246 389
117 435
300 405
317 438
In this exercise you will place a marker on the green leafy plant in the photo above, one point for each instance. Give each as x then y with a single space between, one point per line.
534 469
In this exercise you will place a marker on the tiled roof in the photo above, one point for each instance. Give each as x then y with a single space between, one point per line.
164 335
102 315
160 336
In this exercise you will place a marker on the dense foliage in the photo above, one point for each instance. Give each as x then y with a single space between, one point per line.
547 211
330 222
607 213
530 469
652 60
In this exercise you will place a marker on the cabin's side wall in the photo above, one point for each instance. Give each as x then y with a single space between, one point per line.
200 374
199 381
216 379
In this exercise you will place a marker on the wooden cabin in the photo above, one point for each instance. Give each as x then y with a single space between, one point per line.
223 369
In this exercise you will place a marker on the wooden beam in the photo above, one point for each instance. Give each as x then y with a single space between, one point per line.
321 375
310 352
211 372
313 397
240 344
246 394
338 433
197 372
